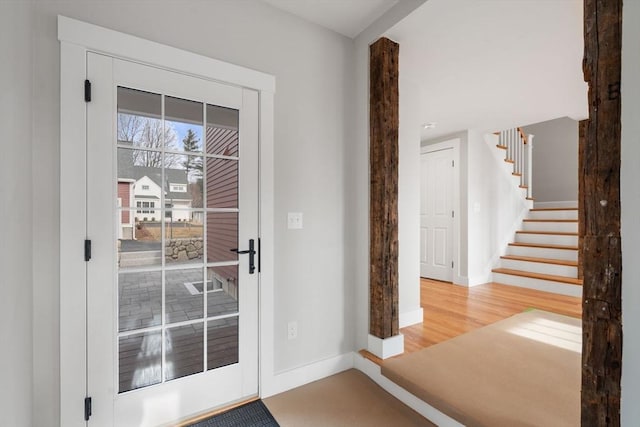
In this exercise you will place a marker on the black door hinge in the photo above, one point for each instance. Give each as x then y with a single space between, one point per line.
87 408
451 264
259 256
87 91
87 250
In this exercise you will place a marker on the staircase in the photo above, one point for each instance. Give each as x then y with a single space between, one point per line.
544 255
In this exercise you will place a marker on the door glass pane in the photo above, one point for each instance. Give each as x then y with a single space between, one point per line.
222 236
183 237
184 350
222 342
222 131
140 358
139 119
183 180
139 300
222 183
183 295
185 119
223 295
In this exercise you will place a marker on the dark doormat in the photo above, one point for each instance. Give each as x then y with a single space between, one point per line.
253 414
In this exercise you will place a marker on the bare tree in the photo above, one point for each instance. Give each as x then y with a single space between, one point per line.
148 133
129 127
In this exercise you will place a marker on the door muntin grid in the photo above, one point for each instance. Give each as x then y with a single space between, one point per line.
177 218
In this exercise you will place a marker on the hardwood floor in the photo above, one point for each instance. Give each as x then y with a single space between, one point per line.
451 310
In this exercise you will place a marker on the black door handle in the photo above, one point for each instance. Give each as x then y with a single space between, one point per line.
252 253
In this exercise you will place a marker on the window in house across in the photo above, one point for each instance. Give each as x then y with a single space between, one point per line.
146 207
178 188
145 187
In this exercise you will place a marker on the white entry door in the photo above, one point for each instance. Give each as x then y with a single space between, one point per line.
436 215
172 195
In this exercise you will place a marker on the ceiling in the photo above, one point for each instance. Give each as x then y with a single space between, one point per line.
493 64
347 17
476 64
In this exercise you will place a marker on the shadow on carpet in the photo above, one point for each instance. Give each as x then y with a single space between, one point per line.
253 414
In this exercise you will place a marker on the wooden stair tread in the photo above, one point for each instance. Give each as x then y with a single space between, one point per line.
509 161
372 357
530 198
516 174
552 209
502 147
523 186
558 233
550 220
550 277
541 260
546 246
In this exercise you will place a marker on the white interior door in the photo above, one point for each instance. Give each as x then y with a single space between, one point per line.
172 190
436 215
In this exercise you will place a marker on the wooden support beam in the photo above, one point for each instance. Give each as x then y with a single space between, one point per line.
582 129
600 172
383 200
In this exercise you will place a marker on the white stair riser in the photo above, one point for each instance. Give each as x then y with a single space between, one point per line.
541 285
568 214
549 239
564 254
540 267
565 227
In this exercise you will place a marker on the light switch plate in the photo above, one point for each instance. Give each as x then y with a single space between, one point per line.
294 220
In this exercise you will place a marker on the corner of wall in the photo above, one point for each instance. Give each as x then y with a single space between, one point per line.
496 206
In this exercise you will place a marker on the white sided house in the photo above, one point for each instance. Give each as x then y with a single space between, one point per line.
140 188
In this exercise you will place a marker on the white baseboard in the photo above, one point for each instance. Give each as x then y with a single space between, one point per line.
411 318
429 412
283 381
557 204
460 280
480 280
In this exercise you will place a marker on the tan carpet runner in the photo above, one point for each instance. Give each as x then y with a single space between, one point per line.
521 371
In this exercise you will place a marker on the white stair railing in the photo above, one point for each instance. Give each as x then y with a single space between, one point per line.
520 153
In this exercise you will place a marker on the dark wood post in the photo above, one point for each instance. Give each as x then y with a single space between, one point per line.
582 128
600 170
383 200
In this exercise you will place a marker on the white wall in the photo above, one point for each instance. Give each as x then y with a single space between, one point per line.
495 208
16 368
408 204
630 201
313 120
555 160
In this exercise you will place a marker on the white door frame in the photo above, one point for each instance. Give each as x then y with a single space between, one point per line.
453 144
76 39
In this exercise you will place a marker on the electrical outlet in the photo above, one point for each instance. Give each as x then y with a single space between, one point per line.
294 220
292 330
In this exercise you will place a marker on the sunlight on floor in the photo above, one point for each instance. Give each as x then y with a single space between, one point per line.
550 332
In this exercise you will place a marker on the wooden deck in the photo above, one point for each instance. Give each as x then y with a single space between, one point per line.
451 310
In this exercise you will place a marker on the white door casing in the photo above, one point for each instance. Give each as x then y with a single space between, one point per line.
436 215
77 39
